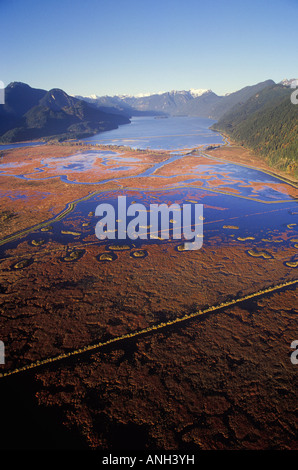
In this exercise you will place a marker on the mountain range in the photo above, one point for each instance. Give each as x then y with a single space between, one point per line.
201 103
268 124
31 113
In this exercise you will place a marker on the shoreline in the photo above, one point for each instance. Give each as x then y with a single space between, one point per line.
230 151
247 156
84 319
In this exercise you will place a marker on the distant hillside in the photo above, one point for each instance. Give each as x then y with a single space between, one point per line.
237 98
19 98
201 103
175 103
268 124
30 113
115 105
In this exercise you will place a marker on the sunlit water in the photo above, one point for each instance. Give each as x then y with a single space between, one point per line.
256 206
172 133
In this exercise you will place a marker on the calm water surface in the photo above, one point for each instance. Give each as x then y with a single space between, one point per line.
173 133
258 207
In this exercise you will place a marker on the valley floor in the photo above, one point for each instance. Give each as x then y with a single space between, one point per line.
220 380
241 155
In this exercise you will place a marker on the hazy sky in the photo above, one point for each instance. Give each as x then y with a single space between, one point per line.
137 46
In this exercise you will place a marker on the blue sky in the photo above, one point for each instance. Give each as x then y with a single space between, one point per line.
138 46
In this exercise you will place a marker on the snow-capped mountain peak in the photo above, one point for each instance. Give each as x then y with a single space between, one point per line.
292 82
140 95
195 92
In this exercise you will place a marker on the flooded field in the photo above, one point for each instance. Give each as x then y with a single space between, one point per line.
176 349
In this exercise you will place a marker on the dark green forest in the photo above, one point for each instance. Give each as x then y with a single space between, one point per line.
267 123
